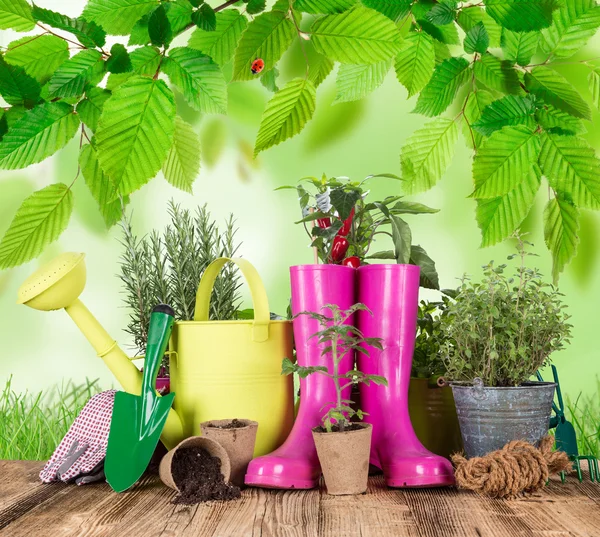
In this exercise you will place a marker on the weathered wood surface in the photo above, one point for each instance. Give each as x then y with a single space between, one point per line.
29 509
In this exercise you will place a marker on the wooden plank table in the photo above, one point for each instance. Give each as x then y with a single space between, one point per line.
30 509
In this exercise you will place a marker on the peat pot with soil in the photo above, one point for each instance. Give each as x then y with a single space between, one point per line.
343 447
237 437
500 331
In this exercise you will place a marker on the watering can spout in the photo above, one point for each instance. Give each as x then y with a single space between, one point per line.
58 285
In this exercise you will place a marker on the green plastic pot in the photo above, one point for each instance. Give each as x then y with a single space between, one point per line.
433 416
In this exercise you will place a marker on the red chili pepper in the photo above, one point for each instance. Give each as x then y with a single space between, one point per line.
347 225
351 261
339 248
324 223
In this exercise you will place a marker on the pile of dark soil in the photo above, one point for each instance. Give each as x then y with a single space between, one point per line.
198 477
336 429
233 424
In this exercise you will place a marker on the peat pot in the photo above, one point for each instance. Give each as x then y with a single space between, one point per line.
433 417
344 459
491 417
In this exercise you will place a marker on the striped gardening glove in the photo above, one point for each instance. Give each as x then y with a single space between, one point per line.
80 455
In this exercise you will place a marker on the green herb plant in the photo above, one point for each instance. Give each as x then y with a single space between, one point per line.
167 267
335 199
491 63
503 329
340 339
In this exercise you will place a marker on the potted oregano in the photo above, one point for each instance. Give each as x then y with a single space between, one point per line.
501 330
347 474
430 401
166 268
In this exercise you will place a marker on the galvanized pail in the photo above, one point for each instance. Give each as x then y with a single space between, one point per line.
491 417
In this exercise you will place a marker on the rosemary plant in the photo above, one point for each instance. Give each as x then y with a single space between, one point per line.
167 267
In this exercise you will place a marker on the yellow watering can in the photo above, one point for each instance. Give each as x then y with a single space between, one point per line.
222 369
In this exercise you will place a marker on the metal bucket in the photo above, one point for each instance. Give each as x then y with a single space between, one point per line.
433 417
491 417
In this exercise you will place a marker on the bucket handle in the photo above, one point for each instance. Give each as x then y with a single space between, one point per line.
262 315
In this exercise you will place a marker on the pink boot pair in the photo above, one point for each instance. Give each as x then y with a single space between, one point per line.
391 293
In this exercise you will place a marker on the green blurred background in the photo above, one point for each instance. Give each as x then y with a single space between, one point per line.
353 139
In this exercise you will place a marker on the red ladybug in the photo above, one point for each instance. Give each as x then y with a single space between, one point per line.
257 66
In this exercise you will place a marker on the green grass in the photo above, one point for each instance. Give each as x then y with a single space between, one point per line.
32 425
584 414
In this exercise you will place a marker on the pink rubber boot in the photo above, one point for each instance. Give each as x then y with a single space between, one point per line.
295 464
391 292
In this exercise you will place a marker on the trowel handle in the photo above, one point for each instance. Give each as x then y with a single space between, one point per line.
159 332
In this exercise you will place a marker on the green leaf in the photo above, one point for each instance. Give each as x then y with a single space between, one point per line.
469 17
135 132
16 86
497 74
412 207
286 114
253 7
205 18
441 90
446 34
415 62
575 22
220 44
594 86
510 110
145 60
429 276
87 33
474 107
319 69
16 15
179 16
90 108
500 217
119 61
347 39
354 82
117 17
477 39
269 80
99 184
40 220
561 225
572 167
555 90
427 154
402 238
392 9
323 6
267 37
442 13
519 47
70 78
554 120
503 159
159 27
183 161
343 201
521 15
199 79
39 133
38 55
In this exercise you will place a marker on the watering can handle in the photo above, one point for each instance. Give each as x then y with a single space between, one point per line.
262 316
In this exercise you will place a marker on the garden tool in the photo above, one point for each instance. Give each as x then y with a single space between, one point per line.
58 285
566 437
138 421
83 449
295 464
391 292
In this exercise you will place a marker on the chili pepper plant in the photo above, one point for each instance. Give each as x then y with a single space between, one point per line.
343 224
339 338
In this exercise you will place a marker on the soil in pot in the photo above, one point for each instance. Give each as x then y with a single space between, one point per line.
336 429
198 477
233 424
